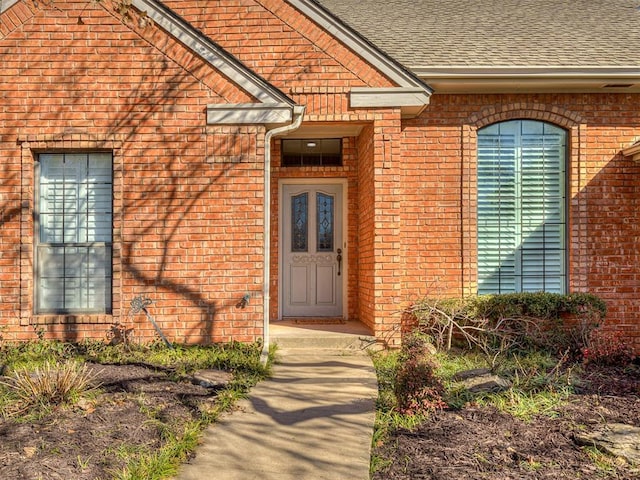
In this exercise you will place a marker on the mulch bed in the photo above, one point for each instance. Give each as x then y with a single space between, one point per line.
87 441
84 442
483 443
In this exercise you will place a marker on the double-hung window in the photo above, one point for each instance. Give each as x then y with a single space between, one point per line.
521 207
74 232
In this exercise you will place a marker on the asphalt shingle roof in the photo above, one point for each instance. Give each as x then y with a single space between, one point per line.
477 33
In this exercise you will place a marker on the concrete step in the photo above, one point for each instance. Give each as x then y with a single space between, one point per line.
351 338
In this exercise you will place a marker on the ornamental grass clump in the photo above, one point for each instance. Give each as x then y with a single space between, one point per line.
47 385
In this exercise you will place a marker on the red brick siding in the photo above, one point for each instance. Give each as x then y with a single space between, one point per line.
188 198
439 232
431 210
388 191
279 43
366 228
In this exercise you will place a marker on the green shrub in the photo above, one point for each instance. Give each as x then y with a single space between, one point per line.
500 323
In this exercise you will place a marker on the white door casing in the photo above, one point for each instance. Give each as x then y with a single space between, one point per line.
312 249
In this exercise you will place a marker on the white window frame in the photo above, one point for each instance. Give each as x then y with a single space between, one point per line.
73 237
524 248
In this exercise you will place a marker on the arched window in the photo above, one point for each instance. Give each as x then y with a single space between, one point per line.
521 207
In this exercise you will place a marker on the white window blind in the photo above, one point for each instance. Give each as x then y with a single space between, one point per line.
521 207
74 238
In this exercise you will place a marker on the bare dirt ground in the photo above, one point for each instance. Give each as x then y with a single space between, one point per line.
483 443
89 440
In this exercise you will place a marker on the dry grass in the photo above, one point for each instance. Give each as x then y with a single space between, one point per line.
46 386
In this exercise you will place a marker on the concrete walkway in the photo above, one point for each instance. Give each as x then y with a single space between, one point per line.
312 420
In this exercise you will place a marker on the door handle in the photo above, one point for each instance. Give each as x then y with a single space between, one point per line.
339 259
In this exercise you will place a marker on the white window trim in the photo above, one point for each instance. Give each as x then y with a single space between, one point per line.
37 243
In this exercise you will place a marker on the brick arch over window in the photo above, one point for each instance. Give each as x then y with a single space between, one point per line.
576 170
526 111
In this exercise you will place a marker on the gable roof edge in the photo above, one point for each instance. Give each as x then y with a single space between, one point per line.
212 53
7 4
359 44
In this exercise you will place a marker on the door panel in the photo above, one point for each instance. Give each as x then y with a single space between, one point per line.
299 285
325 281
312 234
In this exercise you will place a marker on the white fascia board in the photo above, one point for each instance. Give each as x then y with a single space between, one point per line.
212 53
352 39
498 79
249 114
633 151
411 101
7 4
388 97
534 71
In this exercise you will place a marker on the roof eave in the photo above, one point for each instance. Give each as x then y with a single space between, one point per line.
388 66
523 79
633 151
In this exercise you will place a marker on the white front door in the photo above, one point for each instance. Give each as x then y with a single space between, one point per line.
312 250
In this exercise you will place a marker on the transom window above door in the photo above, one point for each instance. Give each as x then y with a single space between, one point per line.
521 207
323 152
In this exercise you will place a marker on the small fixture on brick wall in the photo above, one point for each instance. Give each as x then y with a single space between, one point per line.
244 301
141 304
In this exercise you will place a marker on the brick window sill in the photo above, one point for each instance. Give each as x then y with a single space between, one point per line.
70 319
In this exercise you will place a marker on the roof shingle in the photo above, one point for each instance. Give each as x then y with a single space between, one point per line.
489 33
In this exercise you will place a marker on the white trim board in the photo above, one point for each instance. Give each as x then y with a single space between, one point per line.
632 151
249 113
7 4
411 100
213 54
356 42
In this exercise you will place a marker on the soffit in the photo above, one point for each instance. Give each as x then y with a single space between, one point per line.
326 130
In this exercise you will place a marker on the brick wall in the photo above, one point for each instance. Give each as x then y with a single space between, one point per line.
188 199
439 168
366 228
279 43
